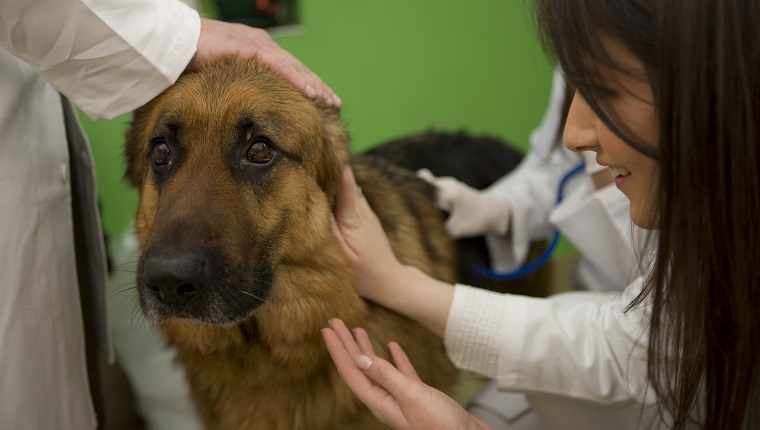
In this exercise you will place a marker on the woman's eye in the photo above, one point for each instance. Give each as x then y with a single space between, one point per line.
161 153
260 152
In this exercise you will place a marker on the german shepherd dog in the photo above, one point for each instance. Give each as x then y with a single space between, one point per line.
237 174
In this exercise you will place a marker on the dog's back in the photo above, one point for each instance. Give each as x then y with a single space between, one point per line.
237 174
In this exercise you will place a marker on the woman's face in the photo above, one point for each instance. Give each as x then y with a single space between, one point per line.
632 100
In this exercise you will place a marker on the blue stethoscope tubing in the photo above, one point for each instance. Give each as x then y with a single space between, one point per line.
544 257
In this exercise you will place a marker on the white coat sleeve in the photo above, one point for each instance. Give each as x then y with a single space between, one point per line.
108 56
531 189
581 344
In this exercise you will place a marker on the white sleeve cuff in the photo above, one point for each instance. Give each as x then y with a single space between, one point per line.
478 324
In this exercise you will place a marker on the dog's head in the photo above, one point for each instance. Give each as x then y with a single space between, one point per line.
235 170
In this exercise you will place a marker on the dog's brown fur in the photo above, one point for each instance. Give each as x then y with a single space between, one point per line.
249 252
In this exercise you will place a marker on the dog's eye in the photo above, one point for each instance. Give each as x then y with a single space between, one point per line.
161 153
260 152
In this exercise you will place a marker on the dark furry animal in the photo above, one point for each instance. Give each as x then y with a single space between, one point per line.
237 173
478 161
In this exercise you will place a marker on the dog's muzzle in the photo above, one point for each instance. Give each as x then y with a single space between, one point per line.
176 277
200 284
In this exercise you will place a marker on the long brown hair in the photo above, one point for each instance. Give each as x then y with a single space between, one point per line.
702 58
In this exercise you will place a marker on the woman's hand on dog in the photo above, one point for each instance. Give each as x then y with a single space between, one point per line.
364 242
378 275
219 38
395 395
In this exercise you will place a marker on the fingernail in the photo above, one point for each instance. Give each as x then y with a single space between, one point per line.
363 362
310 91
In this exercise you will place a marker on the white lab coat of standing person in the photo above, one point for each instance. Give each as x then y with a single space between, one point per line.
108 59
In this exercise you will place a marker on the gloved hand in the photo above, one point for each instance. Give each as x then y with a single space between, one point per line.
591 166
471 212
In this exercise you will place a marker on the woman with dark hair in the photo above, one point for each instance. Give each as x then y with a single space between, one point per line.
668 96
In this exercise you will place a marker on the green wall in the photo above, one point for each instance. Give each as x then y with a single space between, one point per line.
400 67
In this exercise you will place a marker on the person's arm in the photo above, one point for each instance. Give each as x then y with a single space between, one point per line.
110 56
583 345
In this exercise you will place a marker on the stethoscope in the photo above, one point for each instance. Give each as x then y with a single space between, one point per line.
544 257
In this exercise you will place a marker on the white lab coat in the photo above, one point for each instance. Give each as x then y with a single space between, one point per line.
580 358
109 57
597 222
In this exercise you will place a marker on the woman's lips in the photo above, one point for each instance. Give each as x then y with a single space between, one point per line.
621 176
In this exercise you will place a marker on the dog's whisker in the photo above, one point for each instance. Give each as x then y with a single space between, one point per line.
136 314
117 270
254 296
124 295
139 320
127 263
127 293
123 288
284 306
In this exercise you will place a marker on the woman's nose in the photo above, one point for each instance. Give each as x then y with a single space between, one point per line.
580 131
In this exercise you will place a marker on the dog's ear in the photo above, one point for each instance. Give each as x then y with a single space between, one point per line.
336 150
133 149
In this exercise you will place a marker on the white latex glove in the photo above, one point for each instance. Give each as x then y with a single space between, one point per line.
471 212
599 174
591 166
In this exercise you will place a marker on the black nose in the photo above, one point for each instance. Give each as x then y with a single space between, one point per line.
176 277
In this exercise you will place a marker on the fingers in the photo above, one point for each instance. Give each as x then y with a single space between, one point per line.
396 396
345 217
443 196
385 375
301 76
345 200
355 378
339 236
345 336
219 38
309 83
351 208
362 339
362 353
350 365
402 361
426 175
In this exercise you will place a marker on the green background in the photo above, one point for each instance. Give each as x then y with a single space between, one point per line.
400 67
